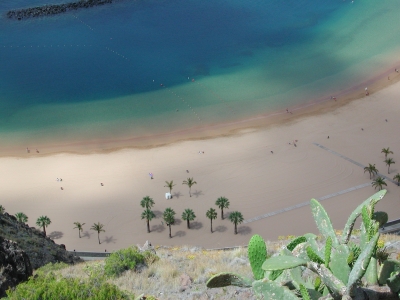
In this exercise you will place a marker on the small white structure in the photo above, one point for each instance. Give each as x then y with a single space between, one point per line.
168 196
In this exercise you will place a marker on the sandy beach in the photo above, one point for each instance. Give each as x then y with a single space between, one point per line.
239 166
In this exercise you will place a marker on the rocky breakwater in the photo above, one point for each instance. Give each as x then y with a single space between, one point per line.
47 10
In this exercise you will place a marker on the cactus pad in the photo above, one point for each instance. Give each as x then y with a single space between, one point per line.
323 222
226 279
273 291
257 252
387 268
381 217
354 215
295 242
314 256
283 263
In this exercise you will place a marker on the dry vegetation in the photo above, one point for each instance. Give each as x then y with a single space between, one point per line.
162 278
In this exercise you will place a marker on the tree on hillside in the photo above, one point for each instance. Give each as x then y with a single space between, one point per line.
189 182
386 151
43 221
147 202
212 215
371 169
170 185
79 226
379 182
148 215
188 215
222 203
2 209
397 178
99 228
21 217
389 161
169 218
236 218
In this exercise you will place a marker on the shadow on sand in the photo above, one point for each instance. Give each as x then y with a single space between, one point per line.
220 228
108 240
197 193
157 228
244 230
196 225
180 233
176 195
56 235
86 234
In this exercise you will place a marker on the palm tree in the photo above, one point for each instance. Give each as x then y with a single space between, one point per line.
189 182
389 161
99 228
222 203
236 218
212 215
148 215
386 151
371 169
170 185
21 217
43 221
147 202
397 178
80 227
188 215
169 218
379 183
2 209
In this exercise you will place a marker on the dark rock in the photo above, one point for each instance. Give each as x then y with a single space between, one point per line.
15 266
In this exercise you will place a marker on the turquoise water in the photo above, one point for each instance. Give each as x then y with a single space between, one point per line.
127 68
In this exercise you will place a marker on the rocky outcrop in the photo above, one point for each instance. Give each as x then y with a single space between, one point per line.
15 266
40 249
47 10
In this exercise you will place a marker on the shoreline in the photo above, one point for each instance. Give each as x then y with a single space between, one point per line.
258 122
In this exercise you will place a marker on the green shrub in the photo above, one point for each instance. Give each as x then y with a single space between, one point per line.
122 260
51 267
49 287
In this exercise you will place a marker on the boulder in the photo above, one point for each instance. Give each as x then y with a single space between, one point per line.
15 266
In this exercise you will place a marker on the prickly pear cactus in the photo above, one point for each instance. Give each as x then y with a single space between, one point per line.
339 264
295 242
386 269
283 263
273 291
314 256
361 264
381 217
394 282
226 279
323 221
328 251
257 252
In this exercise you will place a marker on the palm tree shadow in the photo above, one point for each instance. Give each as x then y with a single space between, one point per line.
177 195
56 235
197 193
244 230
157 228
177 221
180 233
109 239
196 225
157 213
220 228
86 234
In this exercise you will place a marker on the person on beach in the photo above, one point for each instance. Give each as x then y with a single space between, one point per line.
328 136
62 188
101 184
272 152
151 175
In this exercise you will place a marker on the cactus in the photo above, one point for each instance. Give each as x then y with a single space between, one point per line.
394 282
381 217
361 264
328 251
304 293
257 252
386 269
339 264
314 256
295 242
323 222
273 291
283 263
355 214
226 279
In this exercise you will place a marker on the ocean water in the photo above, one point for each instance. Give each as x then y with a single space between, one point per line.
136 68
